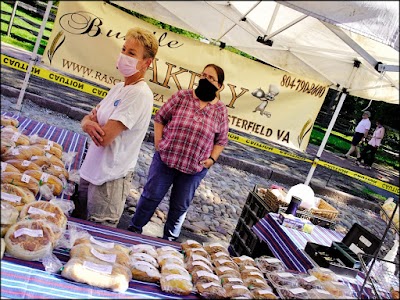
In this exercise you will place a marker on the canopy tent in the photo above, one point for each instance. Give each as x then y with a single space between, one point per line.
352 46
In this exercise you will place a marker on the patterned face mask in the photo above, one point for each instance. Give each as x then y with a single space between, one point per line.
206 90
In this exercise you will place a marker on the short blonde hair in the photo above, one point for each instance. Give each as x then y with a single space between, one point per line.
146 38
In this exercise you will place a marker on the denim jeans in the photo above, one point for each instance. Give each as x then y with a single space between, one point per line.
159 180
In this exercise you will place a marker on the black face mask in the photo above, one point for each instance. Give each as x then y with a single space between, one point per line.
206 91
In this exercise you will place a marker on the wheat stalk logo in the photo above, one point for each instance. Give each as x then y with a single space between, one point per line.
57 42
306 128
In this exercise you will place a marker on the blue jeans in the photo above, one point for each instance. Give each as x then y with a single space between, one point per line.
159 180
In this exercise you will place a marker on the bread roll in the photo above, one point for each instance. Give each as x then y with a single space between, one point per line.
55 170
176 284
50 149
6 167
103 275
100 254
106 245
44 178
22 165
17 137
9 214
6 120
22 195
35 139
29 239
50 212
144 271
22 152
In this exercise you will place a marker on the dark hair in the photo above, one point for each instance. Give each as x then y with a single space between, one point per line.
379 121
220 72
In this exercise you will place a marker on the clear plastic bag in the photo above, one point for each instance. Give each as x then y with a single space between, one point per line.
52 264
68 157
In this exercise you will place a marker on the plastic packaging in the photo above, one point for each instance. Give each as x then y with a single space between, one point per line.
68 157
52 264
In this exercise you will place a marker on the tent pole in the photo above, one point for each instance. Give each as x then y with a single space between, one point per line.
34 56
325 139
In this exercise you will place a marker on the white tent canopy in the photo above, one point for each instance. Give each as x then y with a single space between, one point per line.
304 41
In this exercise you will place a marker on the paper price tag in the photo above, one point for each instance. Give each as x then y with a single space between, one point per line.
25 163
272 260
16 136
46 147
3 166
50 143
107 269
44 177
57 168
298 290
10 197
30 232
285 274
310 278
36 211
15 151
25 178
102 244
111 258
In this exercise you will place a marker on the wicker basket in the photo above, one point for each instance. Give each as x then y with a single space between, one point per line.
325 210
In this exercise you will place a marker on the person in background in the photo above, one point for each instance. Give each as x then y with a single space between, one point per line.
190 132
368 153
117 127
360 134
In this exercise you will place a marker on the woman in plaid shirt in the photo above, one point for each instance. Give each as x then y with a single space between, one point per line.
190 132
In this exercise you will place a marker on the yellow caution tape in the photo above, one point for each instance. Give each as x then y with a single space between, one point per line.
96 91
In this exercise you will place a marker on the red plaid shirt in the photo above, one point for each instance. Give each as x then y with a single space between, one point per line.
190 133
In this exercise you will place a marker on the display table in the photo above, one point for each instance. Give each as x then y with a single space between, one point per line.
27 279
288 245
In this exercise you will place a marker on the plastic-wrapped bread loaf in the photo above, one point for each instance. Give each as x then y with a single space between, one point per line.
211 290
30 239
103 275
22 180
44 210
35 139
144 271
99 254
57 152
6 167
9 214
176 284
6 121
22 152
44 178
107 245
23 165
47 159
144 257
190 244
144 248
17 137
16 196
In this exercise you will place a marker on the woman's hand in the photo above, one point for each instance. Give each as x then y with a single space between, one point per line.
93 129
207 163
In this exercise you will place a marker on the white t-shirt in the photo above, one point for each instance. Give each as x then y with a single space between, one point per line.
365 124
131 105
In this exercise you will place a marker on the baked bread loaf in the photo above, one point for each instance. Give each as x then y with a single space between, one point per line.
17 137
4 229
35 139
55 170
174 269
6 120
6 145
204 276
47 159
6 167
140 256
211 290
237 290
144 271
144 248
264 294
22 152
244 260
224 262
22 165
176 284
9 214
198 265
57 152
103 275
226 272
17 196
100 254
52 181
50 212
107 245
22 180
30 239
189 244
198 251
214 248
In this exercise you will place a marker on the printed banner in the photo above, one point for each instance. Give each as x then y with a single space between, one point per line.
87 38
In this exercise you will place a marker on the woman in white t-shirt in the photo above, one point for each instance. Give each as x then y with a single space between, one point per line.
368 153
360 134
117 127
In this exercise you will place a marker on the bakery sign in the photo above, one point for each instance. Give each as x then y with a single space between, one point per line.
274 105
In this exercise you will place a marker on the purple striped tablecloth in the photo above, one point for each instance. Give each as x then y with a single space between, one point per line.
69 140
288 245
28 280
